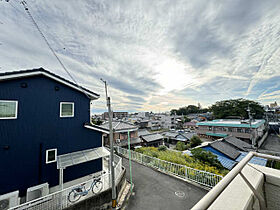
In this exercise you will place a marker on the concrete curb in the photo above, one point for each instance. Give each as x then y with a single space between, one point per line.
126 199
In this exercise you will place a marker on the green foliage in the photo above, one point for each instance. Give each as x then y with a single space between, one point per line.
179 158
195 141
190 109
206 157
273 164
162 148
236 108
181 146
96 121
186 119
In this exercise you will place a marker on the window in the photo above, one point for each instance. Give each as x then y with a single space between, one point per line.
51 155
66 109
8 109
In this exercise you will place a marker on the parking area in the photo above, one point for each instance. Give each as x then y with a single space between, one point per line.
157 191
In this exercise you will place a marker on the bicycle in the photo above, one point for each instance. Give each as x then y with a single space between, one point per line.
77 192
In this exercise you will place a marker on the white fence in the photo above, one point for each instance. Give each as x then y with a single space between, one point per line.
59 199
201 177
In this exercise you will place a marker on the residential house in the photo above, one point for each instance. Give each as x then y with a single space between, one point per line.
120 133
230 151
42 117
242 129
152 140
116 115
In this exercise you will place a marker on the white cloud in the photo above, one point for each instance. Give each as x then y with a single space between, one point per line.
151 52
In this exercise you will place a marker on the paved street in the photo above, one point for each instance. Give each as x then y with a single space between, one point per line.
272 143
156 191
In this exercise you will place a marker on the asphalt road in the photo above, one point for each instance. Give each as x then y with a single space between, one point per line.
156 191
272 143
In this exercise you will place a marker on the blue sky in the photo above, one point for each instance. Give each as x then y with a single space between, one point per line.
155 55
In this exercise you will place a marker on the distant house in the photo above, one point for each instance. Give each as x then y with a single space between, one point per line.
190 125
152 140
174 137
241 129
231 150
120 133
43 116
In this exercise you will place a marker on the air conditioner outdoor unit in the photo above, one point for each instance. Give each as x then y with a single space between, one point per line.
9 200
37 191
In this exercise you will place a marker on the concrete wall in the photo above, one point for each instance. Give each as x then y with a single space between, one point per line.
101 201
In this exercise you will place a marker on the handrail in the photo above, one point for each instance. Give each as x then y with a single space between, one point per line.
212 195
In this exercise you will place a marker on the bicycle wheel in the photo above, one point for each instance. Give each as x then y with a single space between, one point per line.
97 187
74 196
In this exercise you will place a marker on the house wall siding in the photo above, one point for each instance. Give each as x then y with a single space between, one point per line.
38 127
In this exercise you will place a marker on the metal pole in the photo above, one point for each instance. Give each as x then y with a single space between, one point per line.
129 152
114 196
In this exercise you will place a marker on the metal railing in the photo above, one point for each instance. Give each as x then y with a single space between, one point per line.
59 199
211 196
201 177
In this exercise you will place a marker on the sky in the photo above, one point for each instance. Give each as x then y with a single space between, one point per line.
155 55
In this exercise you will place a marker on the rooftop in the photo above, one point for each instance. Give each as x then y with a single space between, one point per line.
233 123
152 137
119 126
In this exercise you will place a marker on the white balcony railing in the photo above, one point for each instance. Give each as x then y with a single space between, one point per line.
59 199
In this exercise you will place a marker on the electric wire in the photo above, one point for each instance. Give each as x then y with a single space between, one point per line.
49 46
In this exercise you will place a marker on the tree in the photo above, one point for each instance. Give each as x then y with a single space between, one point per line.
206 157
181 146
236 108
195 141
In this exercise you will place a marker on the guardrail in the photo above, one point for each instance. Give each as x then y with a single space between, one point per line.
201 177
59 199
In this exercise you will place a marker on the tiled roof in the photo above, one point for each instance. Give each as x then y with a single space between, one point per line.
241 145
120 126
42 71
143 132
225 148
189 135
152 137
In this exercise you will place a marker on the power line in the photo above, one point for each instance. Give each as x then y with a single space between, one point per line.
48 44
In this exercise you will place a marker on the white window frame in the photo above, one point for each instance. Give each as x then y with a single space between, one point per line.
48 150
60 111
16 112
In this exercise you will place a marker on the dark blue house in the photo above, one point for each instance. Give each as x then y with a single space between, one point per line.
42 115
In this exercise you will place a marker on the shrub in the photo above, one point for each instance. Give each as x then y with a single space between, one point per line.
206 157
162 148
195 141
181 146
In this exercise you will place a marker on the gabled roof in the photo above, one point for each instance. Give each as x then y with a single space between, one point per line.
119 126
41 71
225 148
189 135
152 137
143 132
241 145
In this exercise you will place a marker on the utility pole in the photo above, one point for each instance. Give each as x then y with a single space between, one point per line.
114 196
